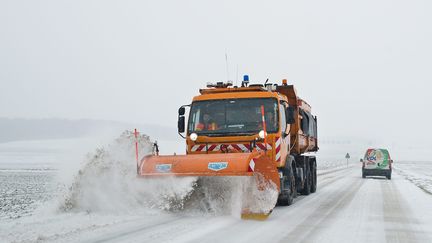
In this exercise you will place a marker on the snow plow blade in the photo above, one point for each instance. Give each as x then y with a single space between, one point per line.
256 202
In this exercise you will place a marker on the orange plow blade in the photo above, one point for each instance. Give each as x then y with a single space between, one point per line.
259 197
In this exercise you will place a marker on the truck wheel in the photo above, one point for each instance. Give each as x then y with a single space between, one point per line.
389 176
363 174
288 191
307 182
314 176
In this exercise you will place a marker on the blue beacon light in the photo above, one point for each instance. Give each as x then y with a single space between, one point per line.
246 78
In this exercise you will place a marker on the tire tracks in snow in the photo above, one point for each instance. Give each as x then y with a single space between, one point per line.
150 231
330 171
124 234
398 216
167 229
256 230
308 229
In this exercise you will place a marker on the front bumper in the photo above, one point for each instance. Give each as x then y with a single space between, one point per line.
377 172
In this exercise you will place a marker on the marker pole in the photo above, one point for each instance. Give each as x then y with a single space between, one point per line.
264 126
136 145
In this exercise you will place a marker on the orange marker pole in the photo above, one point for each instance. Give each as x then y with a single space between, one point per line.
136 145
264 126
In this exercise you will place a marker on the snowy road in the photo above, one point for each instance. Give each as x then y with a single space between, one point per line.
345 208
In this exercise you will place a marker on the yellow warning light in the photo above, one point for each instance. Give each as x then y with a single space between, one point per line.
284 82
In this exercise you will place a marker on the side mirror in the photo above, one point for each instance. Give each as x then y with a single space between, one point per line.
289 115
361 160
181 120
181 124
181 111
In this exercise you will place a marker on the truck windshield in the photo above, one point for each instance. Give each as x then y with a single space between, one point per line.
233 116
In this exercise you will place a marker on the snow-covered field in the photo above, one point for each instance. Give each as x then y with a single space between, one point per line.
52 191
22 191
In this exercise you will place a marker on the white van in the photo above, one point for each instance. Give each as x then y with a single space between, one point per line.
377 162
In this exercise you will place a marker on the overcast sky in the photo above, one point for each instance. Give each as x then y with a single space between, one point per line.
364 66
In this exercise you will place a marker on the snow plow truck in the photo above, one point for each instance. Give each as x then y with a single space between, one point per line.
261 131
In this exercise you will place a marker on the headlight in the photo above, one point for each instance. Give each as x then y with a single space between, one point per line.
262 134
193 136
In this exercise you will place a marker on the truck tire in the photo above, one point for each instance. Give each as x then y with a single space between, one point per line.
288 191
314 176
389 176
307 183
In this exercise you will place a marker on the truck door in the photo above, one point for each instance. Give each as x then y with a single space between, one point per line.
281 141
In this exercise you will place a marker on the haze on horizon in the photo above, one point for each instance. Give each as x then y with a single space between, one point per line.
363 66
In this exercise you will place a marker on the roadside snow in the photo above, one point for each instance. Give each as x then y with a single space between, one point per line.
419 173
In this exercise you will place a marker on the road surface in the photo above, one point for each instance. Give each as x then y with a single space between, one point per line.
345 208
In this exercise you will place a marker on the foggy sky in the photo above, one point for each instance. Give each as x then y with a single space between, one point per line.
364 66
